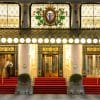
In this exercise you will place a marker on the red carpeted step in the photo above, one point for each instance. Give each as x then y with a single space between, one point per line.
91 85
8 86
50 85
7 89
50 89
90 81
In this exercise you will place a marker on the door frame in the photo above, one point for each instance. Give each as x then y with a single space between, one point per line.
56 48
44 67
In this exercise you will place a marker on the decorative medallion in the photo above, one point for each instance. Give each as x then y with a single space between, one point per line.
50 15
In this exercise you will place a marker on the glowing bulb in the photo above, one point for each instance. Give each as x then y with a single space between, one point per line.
89 40
40 40
58 40
46 40
3 40
28 40
15 40
95 40
70 40
22 40
64 40
52 40
9 40
34 40
76 40
83 40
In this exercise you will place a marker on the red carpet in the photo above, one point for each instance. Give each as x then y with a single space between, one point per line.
8 86
91 85
50 86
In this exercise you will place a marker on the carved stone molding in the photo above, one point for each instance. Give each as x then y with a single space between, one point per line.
52 1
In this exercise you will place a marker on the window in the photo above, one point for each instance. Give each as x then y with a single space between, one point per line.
90 16
50 16
9 15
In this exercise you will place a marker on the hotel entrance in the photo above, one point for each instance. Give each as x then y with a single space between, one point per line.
92 60
50 61
50 65
8 55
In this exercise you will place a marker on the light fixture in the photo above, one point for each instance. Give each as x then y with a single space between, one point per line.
95 40
70 40
52 40
58 40
28 40
64 40
34 40
22 40
40 40
3 40
9 40
89 40
77 40
15 40
46 40
83 40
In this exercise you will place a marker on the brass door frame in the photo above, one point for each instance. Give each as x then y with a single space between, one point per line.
89 50
13 50
48 70
50 49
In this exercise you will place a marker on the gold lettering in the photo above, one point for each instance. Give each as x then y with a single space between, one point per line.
93 49
50 49
6 48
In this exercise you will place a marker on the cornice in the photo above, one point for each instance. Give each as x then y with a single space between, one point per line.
52 1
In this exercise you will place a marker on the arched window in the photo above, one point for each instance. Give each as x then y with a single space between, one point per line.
90 16
9 16
50 16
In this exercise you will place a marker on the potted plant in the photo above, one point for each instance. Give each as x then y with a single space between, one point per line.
75 78
24 84
24 78
75 84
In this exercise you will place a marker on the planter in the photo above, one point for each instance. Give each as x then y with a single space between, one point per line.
24 84
75 85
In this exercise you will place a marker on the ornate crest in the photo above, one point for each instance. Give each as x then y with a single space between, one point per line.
50 15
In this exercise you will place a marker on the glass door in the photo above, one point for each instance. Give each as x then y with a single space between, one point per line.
98 65
92 65
50 65
89 64
3 64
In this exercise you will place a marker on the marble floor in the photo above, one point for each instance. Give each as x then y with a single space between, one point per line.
48 97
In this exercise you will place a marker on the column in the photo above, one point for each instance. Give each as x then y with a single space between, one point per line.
33 60
76 59
67 71
25 16
75 15
23 59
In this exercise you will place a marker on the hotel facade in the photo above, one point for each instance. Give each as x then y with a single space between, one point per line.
52 38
